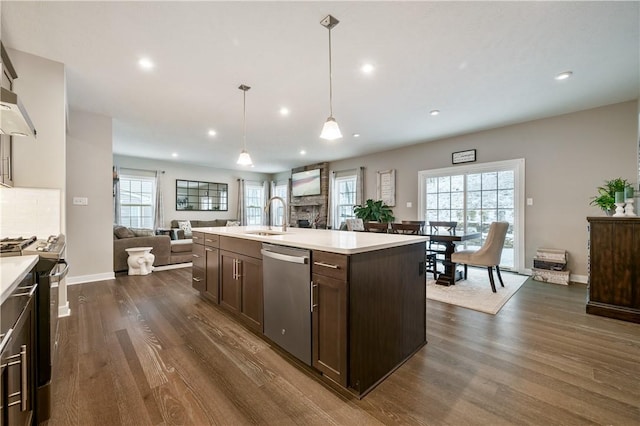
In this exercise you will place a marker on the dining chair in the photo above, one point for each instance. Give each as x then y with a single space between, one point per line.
435 249
354 224
419 222
376 227
406 228
488 255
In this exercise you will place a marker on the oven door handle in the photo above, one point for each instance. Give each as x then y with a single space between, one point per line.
60 275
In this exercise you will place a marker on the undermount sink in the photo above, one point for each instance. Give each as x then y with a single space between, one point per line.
264 233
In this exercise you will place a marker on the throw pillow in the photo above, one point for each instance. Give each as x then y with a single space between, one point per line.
233 223
123 232
185 225
141 232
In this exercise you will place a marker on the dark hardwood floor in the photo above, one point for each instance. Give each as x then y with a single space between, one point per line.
149 351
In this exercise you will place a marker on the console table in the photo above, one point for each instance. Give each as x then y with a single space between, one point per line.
614 267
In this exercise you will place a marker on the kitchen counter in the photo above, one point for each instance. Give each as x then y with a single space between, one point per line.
342 242
13 269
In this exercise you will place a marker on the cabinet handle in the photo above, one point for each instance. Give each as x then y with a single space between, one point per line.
239 269
195 255
235 266
208 249
208 240
196 279
24 384
32 289
326 265
313 305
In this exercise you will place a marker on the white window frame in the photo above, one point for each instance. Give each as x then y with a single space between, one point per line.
152 205
335 202
250 207
280 189
518 167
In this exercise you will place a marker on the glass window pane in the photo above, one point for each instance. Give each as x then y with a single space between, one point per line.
505 198
444 200
506 179
489 199
457 200
474 199
432 185
457 183
432 201
444 184
489 180
444 215
474 182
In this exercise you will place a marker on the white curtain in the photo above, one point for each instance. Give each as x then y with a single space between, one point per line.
330 206
360 186
158 220
265 196
242 214
271 218
116 195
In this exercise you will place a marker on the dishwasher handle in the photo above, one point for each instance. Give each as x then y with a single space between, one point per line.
285 257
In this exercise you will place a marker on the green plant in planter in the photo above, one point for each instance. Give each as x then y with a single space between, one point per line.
606 198
374 211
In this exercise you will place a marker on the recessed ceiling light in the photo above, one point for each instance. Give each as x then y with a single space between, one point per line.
284 111
367 68
174 155
146 64
564 75
303 152
356 135
211 132
435 112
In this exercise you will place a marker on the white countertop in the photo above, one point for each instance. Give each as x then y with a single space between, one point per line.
343 242
13 269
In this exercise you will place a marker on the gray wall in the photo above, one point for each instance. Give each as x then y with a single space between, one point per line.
175 170
89 234
567 157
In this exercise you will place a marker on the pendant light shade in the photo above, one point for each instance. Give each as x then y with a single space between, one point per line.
330 130
244 159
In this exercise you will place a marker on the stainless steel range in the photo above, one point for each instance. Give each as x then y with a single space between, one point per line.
51 268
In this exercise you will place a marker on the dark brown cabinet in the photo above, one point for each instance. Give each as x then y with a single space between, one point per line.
329 315
614 267
241 280
17 381
205 265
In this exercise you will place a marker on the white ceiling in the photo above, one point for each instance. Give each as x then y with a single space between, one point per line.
482 64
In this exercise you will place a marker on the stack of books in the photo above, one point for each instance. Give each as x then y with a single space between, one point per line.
550 266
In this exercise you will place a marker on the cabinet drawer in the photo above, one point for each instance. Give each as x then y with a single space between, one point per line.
330 265
240 245
199 256
197 237
211 240
198 279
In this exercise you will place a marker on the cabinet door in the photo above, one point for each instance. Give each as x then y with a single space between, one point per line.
229 283
199 281
23 367
329 327
212 272
252 297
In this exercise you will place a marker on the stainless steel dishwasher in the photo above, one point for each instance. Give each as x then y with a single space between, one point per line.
287 299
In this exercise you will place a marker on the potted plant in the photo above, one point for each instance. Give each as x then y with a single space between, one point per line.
374 211
607 194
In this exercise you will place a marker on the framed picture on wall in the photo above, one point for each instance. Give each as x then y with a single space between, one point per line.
386 187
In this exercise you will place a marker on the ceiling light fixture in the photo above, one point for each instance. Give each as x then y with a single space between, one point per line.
435 112
146 64
284 111
356 135
244 159
211 132
174 155
367 68
330 130
303 152
564 75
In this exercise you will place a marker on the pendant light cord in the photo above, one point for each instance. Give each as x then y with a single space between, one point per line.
330 79
244 119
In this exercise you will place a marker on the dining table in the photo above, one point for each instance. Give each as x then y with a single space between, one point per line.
449 240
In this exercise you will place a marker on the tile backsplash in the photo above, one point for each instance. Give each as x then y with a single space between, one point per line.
25 212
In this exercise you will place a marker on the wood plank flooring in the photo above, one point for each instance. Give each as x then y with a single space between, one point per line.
148 350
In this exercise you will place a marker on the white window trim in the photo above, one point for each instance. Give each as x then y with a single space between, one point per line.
518 166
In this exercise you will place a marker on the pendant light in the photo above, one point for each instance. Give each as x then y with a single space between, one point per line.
330 130
244 159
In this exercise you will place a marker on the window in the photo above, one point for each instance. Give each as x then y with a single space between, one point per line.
280 189
254 203
137 201
344 199
476 195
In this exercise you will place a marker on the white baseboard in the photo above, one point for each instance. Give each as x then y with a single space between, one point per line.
174 266
64 311
80 279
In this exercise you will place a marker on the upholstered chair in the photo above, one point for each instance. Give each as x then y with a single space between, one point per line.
488 255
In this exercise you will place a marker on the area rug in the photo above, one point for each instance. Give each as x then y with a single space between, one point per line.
475 292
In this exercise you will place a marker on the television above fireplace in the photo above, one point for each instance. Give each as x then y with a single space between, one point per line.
305 183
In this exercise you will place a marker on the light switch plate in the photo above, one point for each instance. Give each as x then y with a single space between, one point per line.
529 201
409 204
80 201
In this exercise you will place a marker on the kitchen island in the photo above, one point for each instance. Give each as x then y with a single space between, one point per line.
368 295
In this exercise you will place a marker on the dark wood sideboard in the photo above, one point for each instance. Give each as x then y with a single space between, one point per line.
614 267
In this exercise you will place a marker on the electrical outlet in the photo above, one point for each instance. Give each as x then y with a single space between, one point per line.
80 201
409 204
529 201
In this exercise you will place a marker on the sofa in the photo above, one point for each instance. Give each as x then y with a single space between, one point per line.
177 233
166 251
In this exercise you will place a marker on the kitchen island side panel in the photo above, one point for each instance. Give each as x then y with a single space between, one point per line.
387 312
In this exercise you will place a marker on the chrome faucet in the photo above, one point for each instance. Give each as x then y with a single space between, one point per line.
285 220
